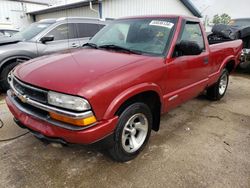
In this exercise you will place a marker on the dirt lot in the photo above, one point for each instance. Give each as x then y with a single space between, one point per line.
200 144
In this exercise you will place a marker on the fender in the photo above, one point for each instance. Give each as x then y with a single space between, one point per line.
130 92
13 57
213 78
224 63
222 66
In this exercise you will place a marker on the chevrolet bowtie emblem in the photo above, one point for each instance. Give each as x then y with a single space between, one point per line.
23 98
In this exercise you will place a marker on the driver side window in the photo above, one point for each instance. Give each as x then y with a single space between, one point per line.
63 32
192 32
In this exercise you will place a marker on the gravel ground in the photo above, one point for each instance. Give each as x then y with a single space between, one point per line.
200 144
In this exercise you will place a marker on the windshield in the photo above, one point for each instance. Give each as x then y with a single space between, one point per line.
31 31
148 36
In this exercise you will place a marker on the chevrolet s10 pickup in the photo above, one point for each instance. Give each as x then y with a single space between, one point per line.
117 86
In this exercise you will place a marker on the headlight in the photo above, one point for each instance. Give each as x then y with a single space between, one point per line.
67 101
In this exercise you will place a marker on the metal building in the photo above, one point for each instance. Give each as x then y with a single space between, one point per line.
117 8
14 12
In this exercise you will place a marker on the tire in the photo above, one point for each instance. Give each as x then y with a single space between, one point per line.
218 90
4 85
128 144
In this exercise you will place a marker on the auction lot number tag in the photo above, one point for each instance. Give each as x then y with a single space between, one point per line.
161 23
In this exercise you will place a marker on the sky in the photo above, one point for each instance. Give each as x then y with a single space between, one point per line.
202 4
234 8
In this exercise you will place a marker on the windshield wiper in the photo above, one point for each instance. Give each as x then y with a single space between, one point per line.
115 47
92 45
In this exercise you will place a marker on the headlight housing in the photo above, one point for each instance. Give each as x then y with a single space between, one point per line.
68 101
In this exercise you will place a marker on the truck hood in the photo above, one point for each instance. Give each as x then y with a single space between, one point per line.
70 72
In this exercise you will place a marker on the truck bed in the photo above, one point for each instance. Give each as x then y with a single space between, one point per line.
220 52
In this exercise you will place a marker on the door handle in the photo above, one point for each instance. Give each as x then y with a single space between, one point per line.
75 45
206 60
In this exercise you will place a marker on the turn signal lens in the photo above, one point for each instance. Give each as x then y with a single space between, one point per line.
78 122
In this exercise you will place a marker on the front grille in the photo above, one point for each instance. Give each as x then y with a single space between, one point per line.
35 111
31 92
39 113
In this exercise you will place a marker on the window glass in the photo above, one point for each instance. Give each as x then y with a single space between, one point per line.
32 31
88 29
118 34
63 32
192 32
150 36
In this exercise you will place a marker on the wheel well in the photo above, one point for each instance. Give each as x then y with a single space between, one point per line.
150 98
230 66
14 59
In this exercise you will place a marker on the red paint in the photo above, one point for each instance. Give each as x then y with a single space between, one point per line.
107 79
88 136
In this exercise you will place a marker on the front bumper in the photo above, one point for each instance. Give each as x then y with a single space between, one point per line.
40 125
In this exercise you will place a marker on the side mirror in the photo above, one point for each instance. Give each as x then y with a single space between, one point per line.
47 39
188 48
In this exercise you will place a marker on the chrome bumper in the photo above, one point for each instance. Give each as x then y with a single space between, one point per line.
41 116
245 56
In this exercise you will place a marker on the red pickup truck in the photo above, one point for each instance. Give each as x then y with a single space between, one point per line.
118 85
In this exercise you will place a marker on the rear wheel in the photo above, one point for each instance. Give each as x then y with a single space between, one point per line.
4 85
218 90
132 132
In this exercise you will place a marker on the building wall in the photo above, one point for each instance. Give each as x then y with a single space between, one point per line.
76 12
14 12
120 8
33 7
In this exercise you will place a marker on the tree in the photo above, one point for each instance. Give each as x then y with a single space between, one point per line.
221 19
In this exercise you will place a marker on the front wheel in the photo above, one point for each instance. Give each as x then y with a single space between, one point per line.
218 90
4 85
132 132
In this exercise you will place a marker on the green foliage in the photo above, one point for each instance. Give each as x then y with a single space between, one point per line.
221 19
